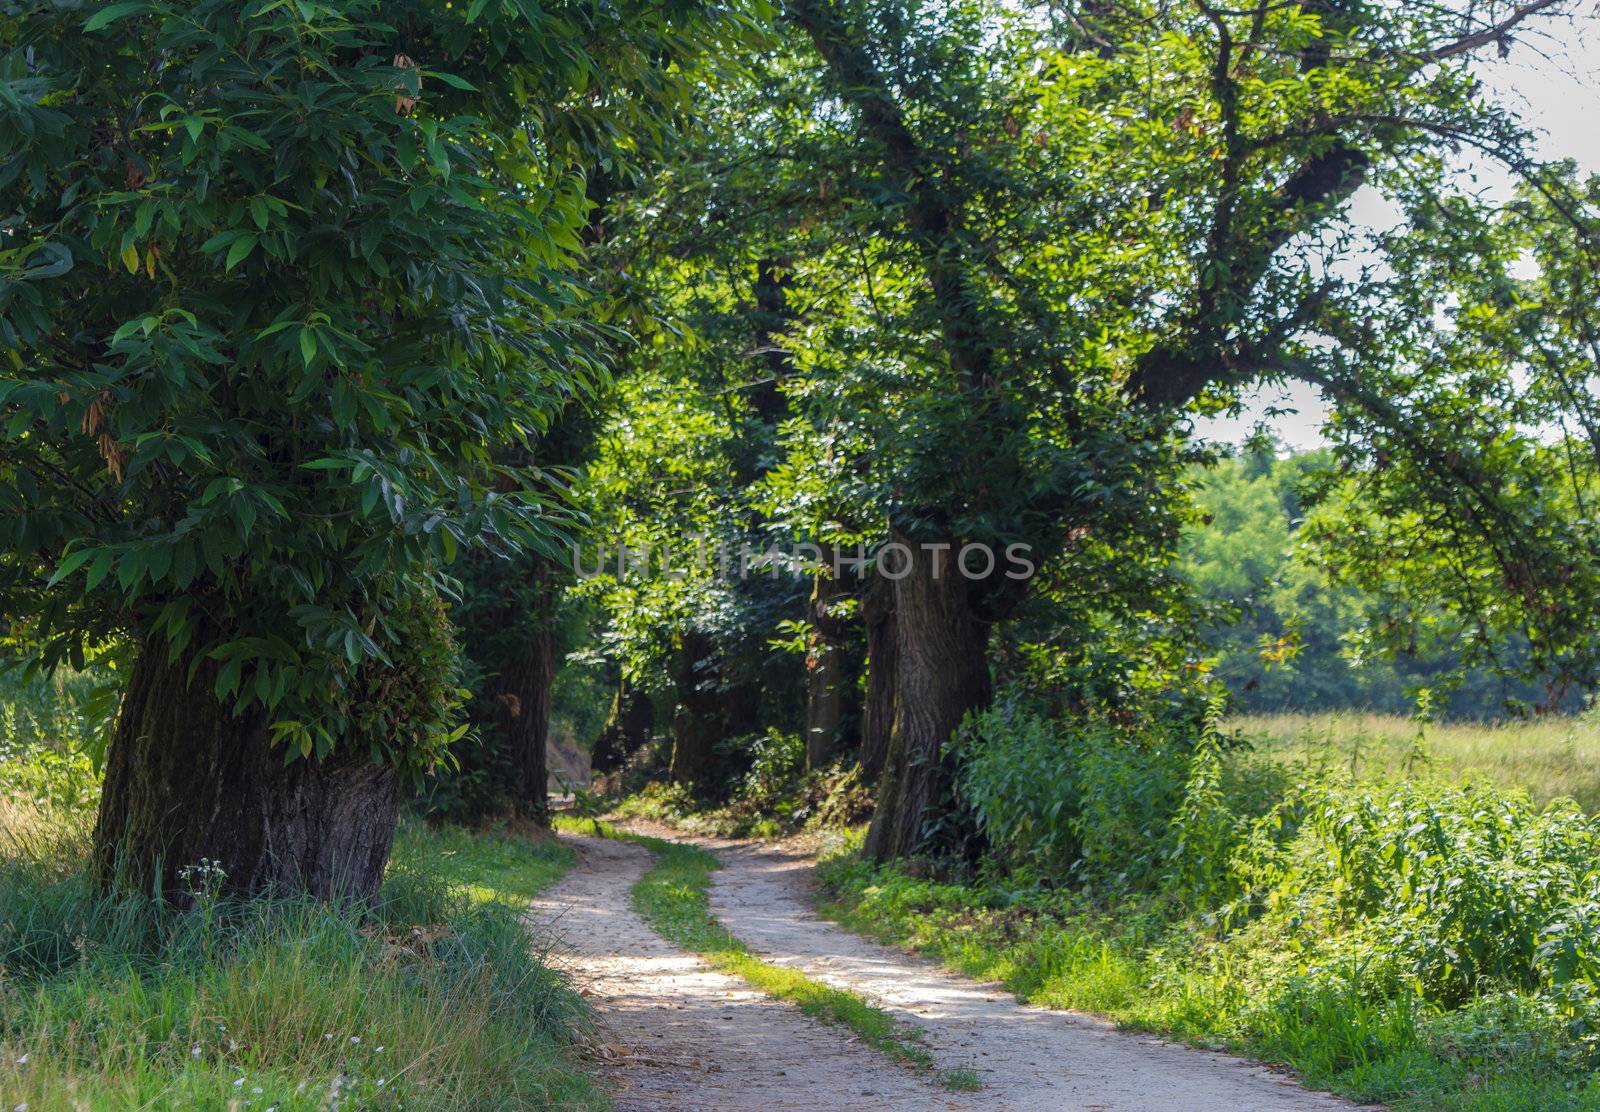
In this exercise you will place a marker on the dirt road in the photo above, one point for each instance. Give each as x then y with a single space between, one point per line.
682 1037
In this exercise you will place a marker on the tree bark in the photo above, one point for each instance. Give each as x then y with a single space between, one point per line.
187 781
825 672
877 713
694 722
628 726
943 672
522 694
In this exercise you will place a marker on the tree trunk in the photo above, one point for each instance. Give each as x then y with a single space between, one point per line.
628 726
522 694
943 672
825 673
696 720
877 714
187 782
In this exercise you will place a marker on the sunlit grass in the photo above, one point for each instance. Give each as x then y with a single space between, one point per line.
1140 969
484 865
434 1000
1549 758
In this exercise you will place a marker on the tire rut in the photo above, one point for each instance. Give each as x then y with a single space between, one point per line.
677 1036
1029 1058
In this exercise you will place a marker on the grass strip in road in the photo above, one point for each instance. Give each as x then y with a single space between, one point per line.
673 898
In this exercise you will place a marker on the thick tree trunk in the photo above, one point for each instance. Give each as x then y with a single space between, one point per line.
188 782
943 672
628 726
877 712
825 673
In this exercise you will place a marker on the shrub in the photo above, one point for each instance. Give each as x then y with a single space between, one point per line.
1100 805
1285 907
777 762
1444 892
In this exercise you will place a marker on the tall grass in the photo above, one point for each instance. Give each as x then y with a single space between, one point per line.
432 999
1426 944
1549 758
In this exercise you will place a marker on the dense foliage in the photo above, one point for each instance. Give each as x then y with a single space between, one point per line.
308 257
285 314
1402 940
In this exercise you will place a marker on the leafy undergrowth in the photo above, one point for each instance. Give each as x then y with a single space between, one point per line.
672 898
1428 945
434 1001
831 800
1148 965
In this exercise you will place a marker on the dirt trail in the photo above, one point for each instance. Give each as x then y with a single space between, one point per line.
682 1037
1029 1058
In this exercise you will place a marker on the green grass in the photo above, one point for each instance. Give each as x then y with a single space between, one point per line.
483 865
1134 964
434 1001
961 1080
672 898
1550 758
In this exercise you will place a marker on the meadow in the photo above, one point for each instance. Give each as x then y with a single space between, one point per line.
1549 758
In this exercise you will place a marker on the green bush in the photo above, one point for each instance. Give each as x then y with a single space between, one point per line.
1428 945
1097 805
777 764
1442 892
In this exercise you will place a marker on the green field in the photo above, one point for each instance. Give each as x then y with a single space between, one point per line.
1549 758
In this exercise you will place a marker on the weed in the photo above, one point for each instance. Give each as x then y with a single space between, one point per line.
961 1080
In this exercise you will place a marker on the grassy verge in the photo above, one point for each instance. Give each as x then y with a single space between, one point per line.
672 898
434 1001
1135 964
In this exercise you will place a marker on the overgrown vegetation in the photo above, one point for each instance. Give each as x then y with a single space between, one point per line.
1425 945
775 797
432 998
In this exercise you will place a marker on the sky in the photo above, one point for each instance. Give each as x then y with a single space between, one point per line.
1552 78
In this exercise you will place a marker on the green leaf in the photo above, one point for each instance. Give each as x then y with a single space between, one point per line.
130 258
71 564
99 568
240 249
106 16
454 82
